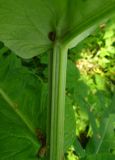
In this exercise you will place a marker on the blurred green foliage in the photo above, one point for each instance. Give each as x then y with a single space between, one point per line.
93 90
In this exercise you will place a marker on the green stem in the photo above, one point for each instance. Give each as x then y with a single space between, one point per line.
57 82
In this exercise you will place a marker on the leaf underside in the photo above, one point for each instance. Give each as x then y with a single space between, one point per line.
20 110
25 25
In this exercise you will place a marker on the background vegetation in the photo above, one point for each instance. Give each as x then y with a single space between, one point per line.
94 92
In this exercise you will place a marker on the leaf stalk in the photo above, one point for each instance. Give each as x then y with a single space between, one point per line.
56 110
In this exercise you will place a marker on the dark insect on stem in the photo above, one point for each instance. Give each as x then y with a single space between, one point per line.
52 36
42 138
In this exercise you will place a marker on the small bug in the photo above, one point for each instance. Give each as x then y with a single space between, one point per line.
52 36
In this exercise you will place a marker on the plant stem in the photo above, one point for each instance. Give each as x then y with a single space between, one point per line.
57 82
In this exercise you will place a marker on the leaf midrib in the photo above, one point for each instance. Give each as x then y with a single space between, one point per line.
76 30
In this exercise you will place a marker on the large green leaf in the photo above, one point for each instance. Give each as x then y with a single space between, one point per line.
70 124
103 141
104 156
26 24
22 100
73 76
